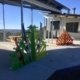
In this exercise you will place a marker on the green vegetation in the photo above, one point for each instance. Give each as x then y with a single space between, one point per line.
28 50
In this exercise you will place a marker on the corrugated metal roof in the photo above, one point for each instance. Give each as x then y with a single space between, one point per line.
48 5
54 3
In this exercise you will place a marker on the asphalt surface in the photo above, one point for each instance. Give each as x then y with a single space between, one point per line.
42 69
56 59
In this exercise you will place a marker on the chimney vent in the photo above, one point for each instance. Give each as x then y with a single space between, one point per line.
74 9
68 11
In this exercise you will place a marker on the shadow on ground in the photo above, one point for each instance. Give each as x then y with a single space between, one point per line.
70 56
40 70
72 73
4 58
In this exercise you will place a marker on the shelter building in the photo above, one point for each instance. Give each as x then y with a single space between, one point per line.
57 23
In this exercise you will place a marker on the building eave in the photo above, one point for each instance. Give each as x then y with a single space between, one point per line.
33 4
41 5
64 15
59 4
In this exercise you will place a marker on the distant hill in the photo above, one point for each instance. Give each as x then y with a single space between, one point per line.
9 32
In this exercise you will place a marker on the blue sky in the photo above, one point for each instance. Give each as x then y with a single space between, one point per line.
12 15
71 4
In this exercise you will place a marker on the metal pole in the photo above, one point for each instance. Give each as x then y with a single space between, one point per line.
31 16
52 30
52 27
44 28
4 33
49 29
22 23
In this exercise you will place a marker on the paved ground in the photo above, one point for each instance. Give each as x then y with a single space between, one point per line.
7 45
57 58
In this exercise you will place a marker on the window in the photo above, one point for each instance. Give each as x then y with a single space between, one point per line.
72 27
55 24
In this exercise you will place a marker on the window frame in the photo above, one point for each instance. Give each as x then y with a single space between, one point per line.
72 27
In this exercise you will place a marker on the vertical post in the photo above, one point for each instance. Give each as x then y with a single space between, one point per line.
31 16
74 9
53 27
23 30
52 30
41 32
22 12
44 28
49 29
4 33
22 23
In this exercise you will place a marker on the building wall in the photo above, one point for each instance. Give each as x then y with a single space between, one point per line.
63 21
66 20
